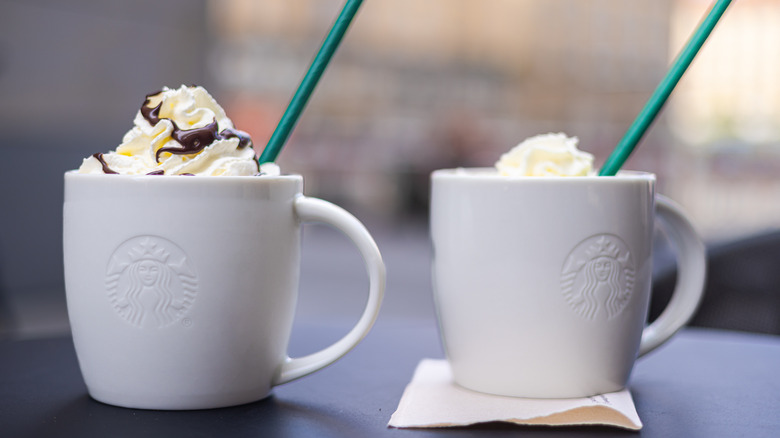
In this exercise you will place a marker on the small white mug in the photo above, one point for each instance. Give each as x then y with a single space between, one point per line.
181 290
542 284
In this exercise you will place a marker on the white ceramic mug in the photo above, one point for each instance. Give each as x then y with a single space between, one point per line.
542 284
181 290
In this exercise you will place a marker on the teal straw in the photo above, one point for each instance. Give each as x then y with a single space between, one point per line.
659 96
309 81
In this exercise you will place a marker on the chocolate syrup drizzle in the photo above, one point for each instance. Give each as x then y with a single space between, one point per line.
107 170
191 140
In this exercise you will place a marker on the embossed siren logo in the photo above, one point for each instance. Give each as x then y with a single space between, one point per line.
597 279
150 282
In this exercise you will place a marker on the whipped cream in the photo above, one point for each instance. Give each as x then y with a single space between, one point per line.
270 169
546 155
180 131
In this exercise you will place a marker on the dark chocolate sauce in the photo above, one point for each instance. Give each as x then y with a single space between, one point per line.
191 140
107 170
151 114
243 138
157 172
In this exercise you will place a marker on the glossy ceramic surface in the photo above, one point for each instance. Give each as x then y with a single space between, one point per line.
542 283
181 291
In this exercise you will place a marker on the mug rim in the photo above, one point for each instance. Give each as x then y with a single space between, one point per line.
491 174
74 173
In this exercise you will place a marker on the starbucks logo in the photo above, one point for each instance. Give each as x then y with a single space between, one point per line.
597 278
150 282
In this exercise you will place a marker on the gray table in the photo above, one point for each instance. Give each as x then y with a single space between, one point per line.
704 383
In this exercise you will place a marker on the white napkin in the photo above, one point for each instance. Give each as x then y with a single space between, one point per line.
432 399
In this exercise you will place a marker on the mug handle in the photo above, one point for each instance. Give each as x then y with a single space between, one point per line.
316 210
691 263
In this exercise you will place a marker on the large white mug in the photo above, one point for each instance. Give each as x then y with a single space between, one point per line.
542 284
181 290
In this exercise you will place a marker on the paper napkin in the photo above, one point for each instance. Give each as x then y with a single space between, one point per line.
432 399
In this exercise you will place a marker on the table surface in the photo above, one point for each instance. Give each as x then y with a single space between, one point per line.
703 383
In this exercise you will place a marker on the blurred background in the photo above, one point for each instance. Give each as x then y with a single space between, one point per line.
416 85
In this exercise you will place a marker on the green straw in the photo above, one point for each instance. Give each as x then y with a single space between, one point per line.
659 96
301 96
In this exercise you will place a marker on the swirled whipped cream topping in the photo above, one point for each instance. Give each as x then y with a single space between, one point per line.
546 155
180 131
